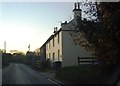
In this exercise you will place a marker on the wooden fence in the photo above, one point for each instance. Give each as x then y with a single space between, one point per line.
87 60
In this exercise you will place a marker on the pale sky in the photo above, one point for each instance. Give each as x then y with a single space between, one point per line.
24 23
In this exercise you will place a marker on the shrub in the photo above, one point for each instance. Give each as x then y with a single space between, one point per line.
81 75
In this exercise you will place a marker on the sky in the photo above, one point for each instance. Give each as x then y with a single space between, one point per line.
24 23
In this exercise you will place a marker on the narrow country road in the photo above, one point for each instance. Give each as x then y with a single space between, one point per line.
21 74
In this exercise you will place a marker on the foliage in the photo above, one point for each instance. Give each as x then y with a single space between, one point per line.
89 10
81 75
6 59
45 64
19 57
1 50
101 36
37 51
17 52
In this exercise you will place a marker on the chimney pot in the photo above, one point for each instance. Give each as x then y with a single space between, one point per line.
78 5
75 5
55 29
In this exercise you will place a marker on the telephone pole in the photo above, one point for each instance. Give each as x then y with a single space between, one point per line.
4 46
29 47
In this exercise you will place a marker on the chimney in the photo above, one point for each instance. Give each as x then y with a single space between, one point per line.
78 5
75 5
55 29
62 24
77 11
65 22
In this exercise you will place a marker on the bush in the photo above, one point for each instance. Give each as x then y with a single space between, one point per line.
81 75
45 64
6 59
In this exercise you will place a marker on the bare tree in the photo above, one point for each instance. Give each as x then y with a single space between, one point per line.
100 32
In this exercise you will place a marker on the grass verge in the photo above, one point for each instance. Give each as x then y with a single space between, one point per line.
81 75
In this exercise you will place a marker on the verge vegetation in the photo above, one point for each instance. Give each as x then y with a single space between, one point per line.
82 75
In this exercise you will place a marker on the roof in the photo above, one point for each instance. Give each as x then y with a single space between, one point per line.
77 10
47 40
61 29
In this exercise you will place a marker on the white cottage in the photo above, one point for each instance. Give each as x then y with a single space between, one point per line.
60 46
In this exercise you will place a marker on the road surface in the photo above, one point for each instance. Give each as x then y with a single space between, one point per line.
22 74
0 77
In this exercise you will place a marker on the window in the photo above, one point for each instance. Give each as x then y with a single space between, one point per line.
46 47
58 55
58 38
53 41
53 56
49 45
49 56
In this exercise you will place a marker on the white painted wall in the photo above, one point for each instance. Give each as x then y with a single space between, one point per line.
57 46
71 51
68 51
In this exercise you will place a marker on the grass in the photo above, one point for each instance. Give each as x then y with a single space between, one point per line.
4 65
81 74
42 69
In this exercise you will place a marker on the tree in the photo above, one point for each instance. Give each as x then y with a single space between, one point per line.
1 50
101 35
37 51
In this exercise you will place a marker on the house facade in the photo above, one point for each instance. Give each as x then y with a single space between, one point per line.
43 52
60 45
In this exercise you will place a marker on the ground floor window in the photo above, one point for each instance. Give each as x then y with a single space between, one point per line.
53 56
49 55
58 55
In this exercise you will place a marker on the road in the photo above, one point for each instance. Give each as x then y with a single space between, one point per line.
0 77
22 74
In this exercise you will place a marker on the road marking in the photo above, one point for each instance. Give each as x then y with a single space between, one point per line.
45 76
52 81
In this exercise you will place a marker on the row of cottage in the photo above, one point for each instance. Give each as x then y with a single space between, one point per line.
60 46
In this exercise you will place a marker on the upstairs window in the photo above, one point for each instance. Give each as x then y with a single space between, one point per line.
58 38
49 45
53 42
46 46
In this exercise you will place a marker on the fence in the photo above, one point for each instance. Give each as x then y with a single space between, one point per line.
87 60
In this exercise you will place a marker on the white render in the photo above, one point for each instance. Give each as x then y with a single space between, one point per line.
57 46
69 52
